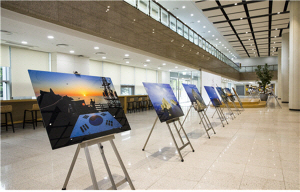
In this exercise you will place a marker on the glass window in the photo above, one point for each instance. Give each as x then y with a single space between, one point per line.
172 23
206 46
191 35
179 28
196 37
4 86
203 44
131 2
186 32
143 5
200 42
127 90
164 17
154 11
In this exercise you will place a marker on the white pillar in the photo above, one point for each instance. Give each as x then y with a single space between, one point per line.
279 92
294 64
285 68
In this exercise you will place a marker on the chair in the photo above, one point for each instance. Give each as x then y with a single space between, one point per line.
150 105
145 103
7 109
130 105
33 120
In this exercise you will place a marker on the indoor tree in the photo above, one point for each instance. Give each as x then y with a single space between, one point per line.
264 76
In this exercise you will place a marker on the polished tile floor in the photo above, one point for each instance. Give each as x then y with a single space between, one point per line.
259 149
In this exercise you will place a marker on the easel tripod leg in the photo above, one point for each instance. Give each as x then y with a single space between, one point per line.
178 133
90 165
71 167
203 125
107 167
122 164
175 142
221 112
186 135
208 121
150 133
221 118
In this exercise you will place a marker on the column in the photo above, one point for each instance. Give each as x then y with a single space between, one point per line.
279 92
294 65
285 68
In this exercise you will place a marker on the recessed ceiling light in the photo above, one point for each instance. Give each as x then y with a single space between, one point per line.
248 39
235 4
198 21
72 51
185 69
145 65
223 45
176 67
192 15
278 12
276 29
24 42
246 32
170 70
275 36
164 64
241 18
127 62
217 39
213 35
148 60
103 57
50 37
204 26
168 9
251 44
209 31
183 7
158 68
126 55
274 42
96 47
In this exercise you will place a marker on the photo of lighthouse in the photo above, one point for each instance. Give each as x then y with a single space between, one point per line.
195 97
164 101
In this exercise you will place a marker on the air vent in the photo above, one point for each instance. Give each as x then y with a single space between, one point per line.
14 44
126 59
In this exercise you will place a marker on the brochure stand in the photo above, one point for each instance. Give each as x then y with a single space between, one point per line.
98 141
203 118
168 124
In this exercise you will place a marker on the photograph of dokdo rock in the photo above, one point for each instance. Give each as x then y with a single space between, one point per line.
222 94
229 94
77 108
195 97
213 96
164 101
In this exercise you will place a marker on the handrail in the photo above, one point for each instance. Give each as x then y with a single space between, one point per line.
162 15
252 68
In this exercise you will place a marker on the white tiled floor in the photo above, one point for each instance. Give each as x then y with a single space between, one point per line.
257 150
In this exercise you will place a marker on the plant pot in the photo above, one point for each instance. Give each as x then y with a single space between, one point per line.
263 97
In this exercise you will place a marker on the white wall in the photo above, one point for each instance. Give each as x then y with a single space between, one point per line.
163 77
24 59
257 61
66 63
21 61
209 79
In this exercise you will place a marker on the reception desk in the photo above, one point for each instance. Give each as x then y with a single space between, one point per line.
19 105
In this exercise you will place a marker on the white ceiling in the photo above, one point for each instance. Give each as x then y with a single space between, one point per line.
35 33
184 14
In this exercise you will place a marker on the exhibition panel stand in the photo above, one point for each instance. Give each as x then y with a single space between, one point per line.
225 101
238 98
172 121
98 142
214 99
83 110
199 106
272 95
231 97
168 110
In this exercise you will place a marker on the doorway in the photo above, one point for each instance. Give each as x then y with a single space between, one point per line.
240 90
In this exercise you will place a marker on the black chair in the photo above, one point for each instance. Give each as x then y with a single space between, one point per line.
130 105
150 105
33 120
7 109
145 104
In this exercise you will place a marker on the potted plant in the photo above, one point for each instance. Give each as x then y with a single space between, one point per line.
264 77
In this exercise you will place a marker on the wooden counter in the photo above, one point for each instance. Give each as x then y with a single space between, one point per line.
19 105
